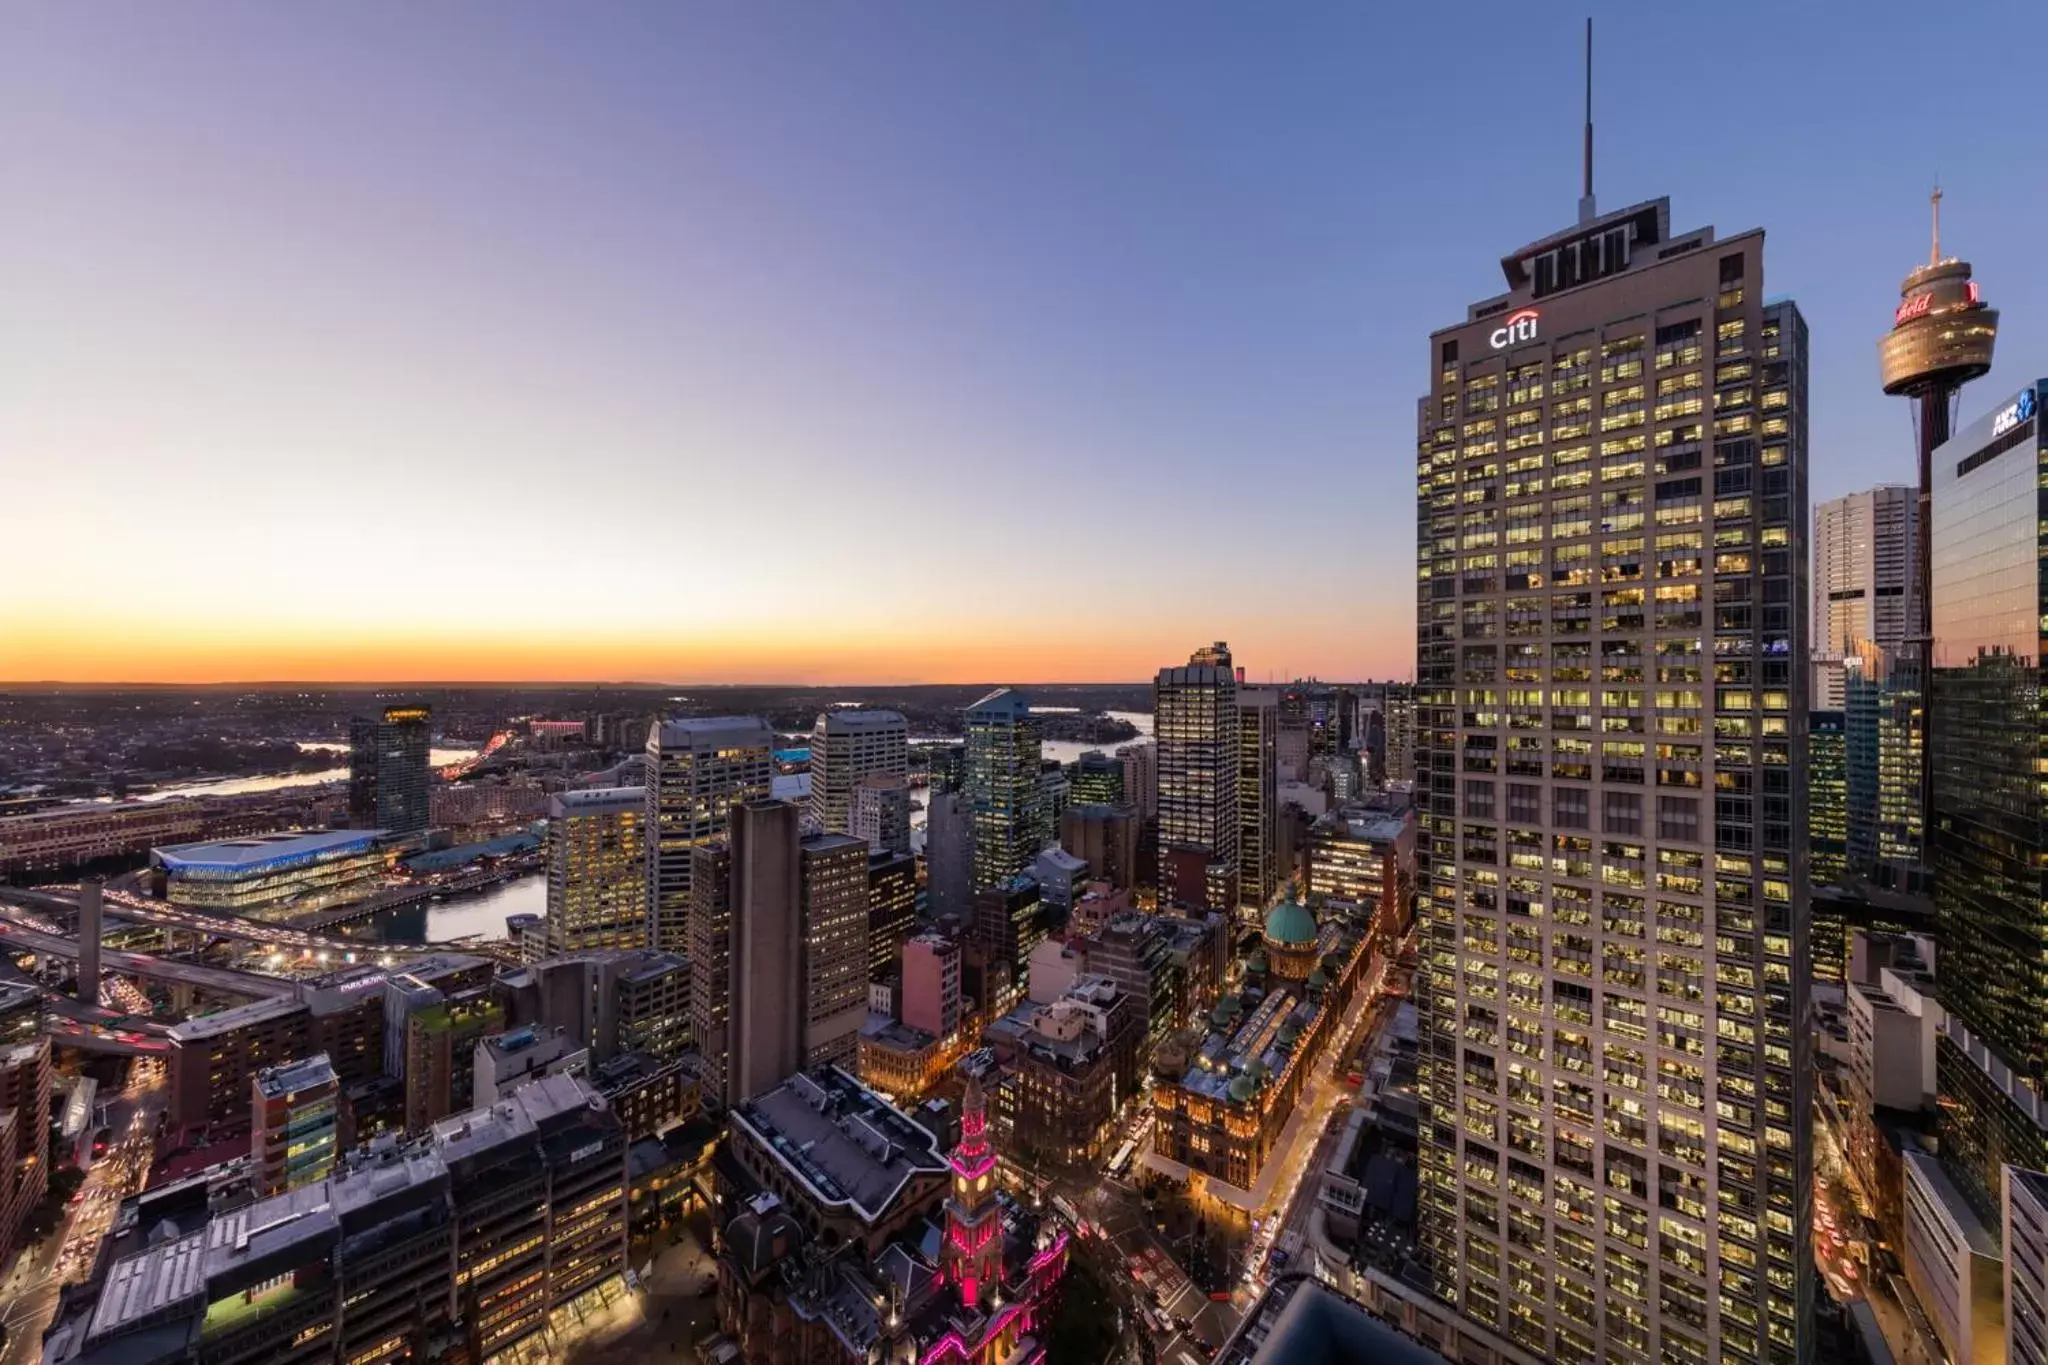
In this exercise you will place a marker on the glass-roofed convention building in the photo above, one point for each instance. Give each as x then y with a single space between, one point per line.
267 876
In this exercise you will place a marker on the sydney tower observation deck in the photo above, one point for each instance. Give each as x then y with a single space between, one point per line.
1941 339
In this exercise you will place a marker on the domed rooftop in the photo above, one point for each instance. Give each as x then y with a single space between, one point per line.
1241 1089
1291 923
1318 979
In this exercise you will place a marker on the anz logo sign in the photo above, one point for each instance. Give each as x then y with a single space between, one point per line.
2013 413
1520 327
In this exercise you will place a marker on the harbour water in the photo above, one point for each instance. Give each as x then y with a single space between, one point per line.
484 913
243 786
481 914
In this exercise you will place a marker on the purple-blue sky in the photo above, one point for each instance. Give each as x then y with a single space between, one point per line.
869 341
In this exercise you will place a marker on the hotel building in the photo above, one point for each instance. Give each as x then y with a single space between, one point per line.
697 770
1610 759
388 773
597 869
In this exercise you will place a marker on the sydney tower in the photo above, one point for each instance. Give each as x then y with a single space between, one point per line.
1941 339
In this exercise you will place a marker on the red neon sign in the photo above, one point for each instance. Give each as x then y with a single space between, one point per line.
1913 308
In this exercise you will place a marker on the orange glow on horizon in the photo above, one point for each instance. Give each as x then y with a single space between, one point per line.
145 651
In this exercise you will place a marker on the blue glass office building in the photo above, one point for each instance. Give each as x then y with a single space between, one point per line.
1988 831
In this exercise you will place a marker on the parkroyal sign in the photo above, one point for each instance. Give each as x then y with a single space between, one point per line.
1518 328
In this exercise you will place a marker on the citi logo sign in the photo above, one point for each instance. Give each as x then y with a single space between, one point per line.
1518 328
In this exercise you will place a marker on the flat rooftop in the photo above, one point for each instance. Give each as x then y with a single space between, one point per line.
596 801
251 1015
1304 1322
895 1035
862 718
840 1139
293 1077
264 852
716 731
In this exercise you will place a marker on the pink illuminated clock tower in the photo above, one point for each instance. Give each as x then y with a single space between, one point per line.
974 1224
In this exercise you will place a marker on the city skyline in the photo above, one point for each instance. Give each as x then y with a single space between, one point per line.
465 306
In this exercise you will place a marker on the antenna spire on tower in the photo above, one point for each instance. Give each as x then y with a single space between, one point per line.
1587 212
1934 257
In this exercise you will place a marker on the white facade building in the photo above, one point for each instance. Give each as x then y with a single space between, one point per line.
1953 1263
847 746
1862 581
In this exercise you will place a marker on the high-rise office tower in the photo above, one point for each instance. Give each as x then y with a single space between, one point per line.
892 909
1097 779
1195 720
697 770
1827 738
833 870
847 746
1611 742
948 854
1400 711
388 781
946 767
1258 795
1989 831
597 869
1884 724
1053 796
1863 556
747 951
1002 785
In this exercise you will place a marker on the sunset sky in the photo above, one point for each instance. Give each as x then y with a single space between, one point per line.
864 342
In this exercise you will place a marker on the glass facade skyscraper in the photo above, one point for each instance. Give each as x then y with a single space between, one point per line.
1611 742
388 778
1828 800
1002 786
1988 841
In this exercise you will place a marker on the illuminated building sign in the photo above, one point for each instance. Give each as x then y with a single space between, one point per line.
2013 413
1912 308
1520 327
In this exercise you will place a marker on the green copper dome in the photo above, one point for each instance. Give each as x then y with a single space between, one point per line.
1289 923
1318 979
1241 1089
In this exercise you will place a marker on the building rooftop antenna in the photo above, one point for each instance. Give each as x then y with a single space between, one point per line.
1934 256
1587 212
